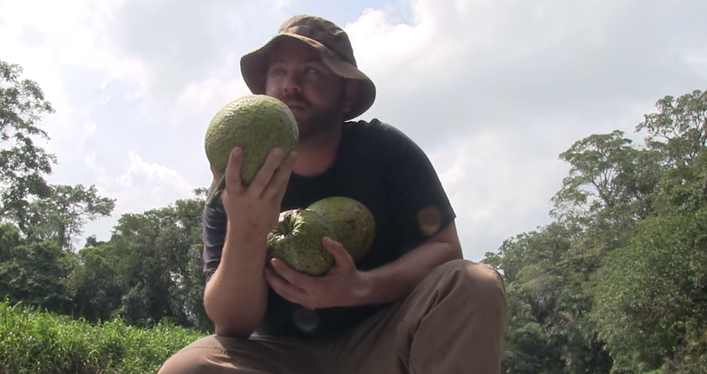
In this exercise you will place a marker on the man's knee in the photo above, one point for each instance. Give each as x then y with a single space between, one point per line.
207 355
467 277
223 355
189 360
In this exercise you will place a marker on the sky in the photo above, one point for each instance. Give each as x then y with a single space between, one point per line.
493 91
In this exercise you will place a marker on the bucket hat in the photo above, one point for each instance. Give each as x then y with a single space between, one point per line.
332 43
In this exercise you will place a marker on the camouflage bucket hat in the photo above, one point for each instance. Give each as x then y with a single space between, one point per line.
334 46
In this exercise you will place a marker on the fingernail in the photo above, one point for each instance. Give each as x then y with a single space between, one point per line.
236 152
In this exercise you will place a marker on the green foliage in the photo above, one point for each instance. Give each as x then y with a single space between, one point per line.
34 272
651 295
135 287
63 214
150 269
678 129
617 283
33 342
23 164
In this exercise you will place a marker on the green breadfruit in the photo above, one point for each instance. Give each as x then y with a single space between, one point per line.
353 223
297 240
257 124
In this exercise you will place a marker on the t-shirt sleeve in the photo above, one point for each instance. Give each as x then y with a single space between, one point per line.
213 237
420 204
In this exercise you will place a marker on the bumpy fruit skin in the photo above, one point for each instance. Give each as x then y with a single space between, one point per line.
297 240
257 124
352 222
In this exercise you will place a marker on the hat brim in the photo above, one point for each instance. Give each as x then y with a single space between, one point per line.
253 69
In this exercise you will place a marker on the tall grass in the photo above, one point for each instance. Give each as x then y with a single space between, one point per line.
38 342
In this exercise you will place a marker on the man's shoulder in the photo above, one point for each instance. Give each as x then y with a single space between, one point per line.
376 131
374 124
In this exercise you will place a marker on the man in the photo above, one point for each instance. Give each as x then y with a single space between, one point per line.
412 305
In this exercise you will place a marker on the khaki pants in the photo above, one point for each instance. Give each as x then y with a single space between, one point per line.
452 321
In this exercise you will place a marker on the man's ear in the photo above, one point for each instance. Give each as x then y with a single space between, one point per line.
351 92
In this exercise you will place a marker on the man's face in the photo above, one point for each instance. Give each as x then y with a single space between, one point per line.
315 94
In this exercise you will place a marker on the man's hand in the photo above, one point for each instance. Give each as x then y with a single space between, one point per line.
343 285
235 298
254 209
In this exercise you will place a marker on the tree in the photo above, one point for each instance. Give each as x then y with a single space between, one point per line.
607 174
35 272
544 277
617 283
23 164
150 268
678 129
64 213
650 294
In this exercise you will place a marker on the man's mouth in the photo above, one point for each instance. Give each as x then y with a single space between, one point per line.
294 106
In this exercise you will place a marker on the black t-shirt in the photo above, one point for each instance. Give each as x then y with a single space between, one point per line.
385 170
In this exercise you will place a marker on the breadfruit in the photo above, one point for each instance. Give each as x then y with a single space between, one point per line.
297 240
352 222
257 124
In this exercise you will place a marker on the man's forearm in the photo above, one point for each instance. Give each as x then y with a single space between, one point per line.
388 282
236 296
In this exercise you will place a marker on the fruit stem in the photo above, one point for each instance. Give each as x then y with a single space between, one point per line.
285 225
215 195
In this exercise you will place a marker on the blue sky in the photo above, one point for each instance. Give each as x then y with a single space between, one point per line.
492 90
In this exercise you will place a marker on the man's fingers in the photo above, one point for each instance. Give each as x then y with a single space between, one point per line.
264 175
292 276
233 170
288 291
342 257
278 185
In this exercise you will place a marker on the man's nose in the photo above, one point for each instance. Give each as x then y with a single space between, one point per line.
291 82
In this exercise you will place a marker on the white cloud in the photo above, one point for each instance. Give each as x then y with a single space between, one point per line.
492 90
144 185
209 95
497 188
498 63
